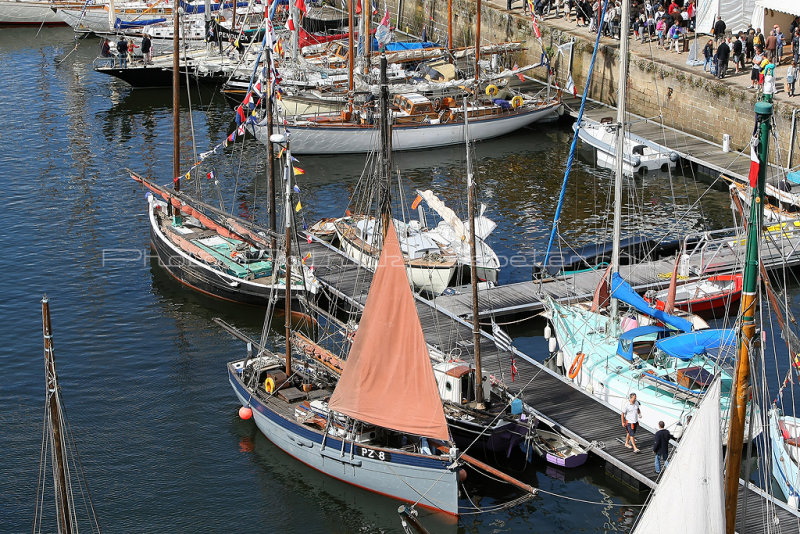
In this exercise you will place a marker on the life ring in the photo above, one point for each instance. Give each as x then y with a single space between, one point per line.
575 368
437 103
269 385
517 101
234 254
492 90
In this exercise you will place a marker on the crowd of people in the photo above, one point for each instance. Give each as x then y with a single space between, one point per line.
669 23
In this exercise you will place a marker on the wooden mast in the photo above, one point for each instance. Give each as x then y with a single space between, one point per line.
741 383
287 309
51 380
350 31
273 224
473 269
385 204
477 46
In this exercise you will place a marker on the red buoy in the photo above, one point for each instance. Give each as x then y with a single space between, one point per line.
245 413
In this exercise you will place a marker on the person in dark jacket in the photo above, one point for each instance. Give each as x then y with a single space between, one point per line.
738 58
708 54
105 48
122 49
147 46
719 29
661 446
723 54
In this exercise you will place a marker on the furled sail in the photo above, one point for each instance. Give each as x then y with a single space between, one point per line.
689 497
620 289
388 377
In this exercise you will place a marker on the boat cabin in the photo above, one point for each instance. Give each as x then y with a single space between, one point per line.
456 381
640 342
413 106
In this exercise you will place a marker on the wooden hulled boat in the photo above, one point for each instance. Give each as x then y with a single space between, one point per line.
702 296
554 448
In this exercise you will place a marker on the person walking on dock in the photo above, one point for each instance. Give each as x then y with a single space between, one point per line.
661 447
719 29
630 420
723 55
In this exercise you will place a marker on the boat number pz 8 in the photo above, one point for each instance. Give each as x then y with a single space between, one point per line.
375 455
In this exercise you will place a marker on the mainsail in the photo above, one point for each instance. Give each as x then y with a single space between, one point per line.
689 497
388 377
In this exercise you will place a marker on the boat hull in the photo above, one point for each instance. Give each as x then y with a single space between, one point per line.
204 279
709 301
28 13
314 139
407 477
499 440
603 139
785 469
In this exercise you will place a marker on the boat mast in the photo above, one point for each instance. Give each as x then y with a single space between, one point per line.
477 46
112 16
350 32
273 223
741 383
51 381
450 28
176 99
385 203
622 88
288 251
473 269
366 16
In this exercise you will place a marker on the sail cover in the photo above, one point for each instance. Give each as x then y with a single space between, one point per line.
620 289
689 496
388 377
687 346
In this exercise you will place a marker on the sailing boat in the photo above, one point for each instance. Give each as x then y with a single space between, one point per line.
784 433
57 448
382 426
653 353
212 252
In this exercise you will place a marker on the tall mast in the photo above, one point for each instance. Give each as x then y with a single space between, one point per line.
112 15
176 98
473 269
477 46
622 89
351 31
273 224
741 382
51 380
366 17
296 32
288 294
450 28
385 204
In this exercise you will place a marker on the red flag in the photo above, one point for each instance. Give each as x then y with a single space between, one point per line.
513 368
358 7
753 164
309 239
536 28
301 6
519 74
291 24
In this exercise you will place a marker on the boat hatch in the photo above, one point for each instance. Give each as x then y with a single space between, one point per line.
639 342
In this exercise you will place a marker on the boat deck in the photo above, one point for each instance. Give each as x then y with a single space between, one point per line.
571 410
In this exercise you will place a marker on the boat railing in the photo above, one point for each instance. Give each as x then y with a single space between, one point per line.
103 62
700 250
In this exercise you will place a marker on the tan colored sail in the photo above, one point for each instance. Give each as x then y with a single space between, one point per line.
388 378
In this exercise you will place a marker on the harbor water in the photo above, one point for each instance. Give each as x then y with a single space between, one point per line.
141 365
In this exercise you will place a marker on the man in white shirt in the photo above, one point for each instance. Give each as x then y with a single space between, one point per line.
630 420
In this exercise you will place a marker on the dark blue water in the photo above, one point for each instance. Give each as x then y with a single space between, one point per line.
141 366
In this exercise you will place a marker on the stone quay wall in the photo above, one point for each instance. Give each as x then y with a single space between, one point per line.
686 100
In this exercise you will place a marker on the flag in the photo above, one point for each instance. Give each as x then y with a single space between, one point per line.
240 130
536 31
358 7
279 155
571 86
239 116
247 97
501 339
298 170
306 258
301 6
279 48
374 8
296 189
211 175
188 175
232 137
416 202
385 19
513 368
298 207
290 24
519 74
309 239
753 162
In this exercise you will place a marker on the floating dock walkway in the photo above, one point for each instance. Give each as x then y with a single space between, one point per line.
555 400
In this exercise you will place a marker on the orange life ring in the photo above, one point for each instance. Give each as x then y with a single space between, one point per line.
233 254
575 368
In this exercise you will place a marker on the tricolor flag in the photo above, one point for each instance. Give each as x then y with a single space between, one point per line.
374 8
416 202
279 155
571 86
211 175
301 6
298 170
298 207
753 162
309 238
232 137
536 31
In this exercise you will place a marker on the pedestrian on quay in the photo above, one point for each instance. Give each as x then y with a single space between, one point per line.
631 412
723 55
147 49
796 46
122 50
791 78
661 447
719 29
738 56
660 28
708 54
582 10
778 45
749 47
770 45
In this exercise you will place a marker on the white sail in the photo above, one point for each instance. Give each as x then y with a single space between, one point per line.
690 495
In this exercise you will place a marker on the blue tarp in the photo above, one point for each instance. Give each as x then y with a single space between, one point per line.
621 290
625 346
122 24
394 47
686 346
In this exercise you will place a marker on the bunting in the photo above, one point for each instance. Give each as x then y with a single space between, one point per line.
298 170
298 207
754 164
